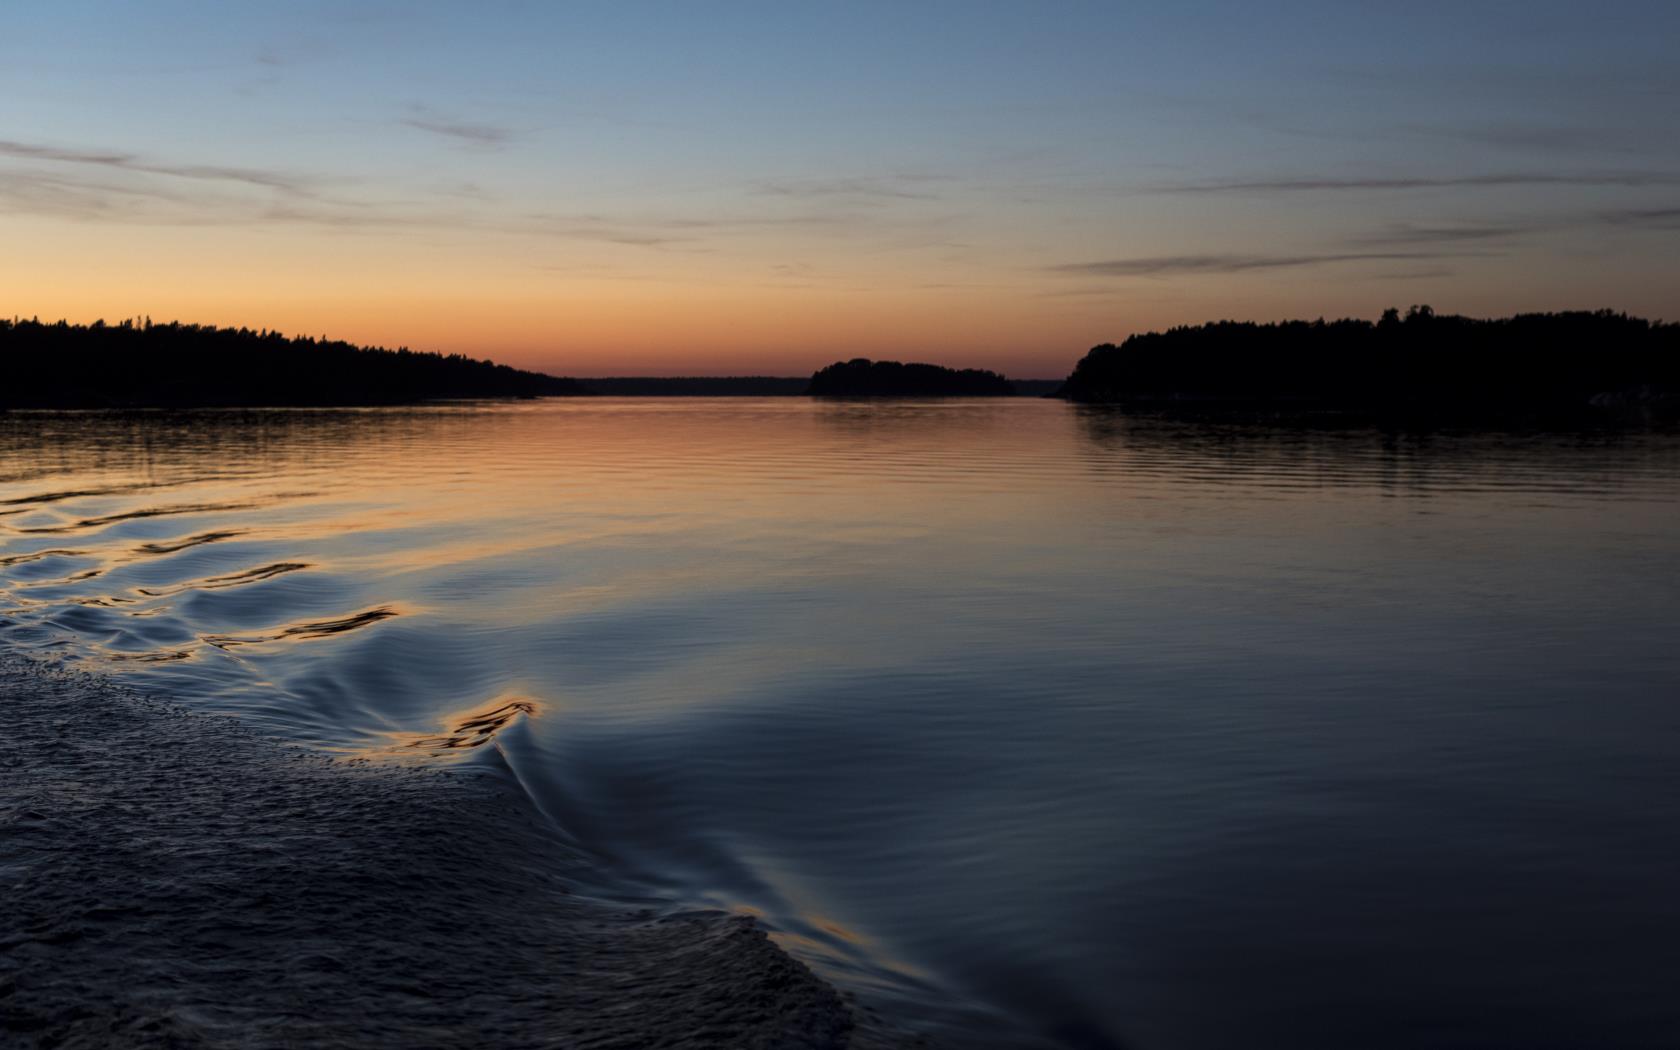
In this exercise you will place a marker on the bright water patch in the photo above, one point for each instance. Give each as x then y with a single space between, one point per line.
1034 718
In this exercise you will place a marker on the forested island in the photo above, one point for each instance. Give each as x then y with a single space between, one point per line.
861 377
139 364
1418 363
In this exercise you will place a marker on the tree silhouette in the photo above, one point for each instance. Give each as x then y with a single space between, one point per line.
138 363
861 377
1423 361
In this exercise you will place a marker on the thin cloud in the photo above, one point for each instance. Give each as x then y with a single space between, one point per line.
1546 138
1174 265
110 185
888 187
1410 235
690 222
78 198
1400 234
35 195
1652 218
602 232
285 182
475 132
1486 181
1429 273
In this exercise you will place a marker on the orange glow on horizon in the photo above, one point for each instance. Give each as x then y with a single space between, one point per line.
621 310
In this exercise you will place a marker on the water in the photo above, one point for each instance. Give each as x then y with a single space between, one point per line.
1037 723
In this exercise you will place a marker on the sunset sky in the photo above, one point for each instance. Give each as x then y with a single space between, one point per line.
624 188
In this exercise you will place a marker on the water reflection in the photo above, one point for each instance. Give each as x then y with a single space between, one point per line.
1046 721
465 731
1418 462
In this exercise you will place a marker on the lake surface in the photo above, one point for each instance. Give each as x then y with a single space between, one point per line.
1034 724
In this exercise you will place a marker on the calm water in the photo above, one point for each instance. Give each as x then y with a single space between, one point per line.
1039 722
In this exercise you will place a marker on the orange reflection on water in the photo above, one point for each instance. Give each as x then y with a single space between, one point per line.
465 730
313 629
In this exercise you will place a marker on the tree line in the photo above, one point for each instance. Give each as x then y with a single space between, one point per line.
136 363
861 377
1419 361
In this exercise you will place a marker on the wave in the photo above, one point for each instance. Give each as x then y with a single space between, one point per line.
236 579
131 515
24 559
173 546
316 629
406 906
64 494
153 658
470 731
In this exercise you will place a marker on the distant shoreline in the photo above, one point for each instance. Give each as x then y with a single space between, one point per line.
746 386
1420 366
136 364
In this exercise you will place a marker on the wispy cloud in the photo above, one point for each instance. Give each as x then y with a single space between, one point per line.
1484 181
606 231
1423 274
889 187
1533 137
83 196
1174 265
287 182
1414 235
1651 218
111 193
475 132
1401 234
665 230
83 184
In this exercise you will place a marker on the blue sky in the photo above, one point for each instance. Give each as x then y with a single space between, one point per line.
586 186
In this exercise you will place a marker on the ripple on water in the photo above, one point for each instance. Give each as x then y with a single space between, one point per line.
232 579
83 524
465 731
34 556
172 546
64 494
166 656
305 631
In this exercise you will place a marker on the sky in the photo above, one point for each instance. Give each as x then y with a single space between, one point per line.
725 188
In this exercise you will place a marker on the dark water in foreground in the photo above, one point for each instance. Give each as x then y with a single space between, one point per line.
1026 718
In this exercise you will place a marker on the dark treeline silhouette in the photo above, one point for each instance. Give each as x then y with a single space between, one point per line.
140 364
861 377
697 386
1419 363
